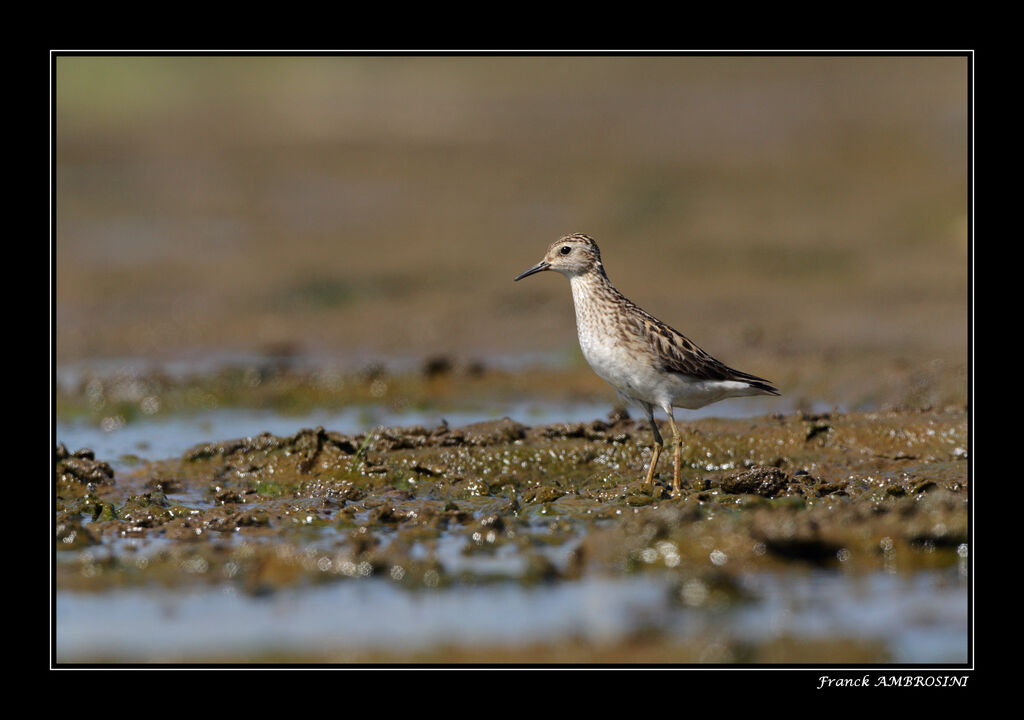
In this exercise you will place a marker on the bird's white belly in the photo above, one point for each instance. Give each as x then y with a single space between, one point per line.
626 372
637 377
634 369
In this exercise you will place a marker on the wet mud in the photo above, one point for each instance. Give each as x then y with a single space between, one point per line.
858 491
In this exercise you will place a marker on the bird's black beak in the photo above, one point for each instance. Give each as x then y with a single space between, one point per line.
542 265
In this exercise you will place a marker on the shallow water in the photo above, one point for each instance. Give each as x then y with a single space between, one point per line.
488 599
920 619
169 437
165 437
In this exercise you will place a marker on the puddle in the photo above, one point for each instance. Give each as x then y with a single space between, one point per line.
921 618
160 438
918 620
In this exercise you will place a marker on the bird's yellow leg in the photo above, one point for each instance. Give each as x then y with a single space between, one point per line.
677 456
658 444
649 482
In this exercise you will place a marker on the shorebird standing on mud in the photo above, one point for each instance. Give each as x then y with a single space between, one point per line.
644 359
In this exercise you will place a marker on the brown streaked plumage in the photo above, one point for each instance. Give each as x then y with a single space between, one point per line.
644 359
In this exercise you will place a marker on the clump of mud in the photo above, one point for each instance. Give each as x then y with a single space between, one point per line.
422 506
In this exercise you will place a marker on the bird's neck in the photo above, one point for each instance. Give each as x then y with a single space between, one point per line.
592 292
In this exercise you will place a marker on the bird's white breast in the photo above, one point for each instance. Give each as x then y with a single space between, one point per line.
605 348
630 365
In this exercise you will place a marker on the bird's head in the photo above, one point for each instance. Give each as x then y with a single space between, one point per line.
572 255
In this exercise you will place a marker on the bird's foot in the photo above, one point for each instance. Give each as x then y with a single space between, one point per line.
677 487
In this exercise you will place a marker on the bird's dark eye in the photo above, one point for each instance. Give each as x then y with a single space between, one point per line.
565 250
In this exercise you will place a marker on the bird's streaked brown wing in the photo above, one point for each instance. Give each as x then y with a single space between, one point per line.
677 353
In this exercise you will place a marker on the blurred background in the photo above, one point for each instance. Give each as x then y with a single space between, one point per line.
250 244
803 218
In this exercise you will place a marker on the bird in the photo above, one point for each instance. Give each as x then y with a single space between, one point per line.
648 362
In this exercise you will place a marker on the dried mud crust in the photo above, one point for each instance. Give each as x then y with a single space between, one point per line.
859 491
